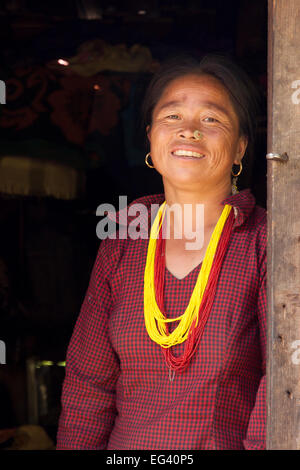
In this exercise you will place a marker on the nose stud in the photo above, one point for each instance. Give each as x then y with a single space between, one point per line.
198 135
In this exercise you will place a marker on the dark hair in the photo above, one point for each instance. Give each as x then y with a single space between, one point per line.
243 94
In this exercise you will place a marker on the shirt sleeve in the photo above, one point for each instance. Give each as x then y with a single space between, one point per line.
92 368
256 432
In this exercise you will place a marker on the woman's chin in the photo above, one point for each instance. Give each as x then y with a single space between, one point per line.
190 182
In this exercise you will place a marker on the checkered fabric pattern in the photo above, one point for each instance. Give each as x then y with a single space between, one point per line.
117 393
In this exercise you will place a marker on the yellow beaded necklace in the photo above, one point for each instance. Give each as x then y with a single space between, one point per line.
155 320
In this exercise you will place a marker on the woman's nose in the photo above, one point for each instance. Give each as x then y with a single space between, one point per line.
188 132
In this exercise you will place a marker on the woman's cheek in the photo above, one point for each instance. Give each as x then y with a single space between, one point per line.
223 140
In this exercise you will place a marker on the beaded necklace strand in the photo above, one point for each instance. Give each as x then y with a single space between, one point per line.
191 322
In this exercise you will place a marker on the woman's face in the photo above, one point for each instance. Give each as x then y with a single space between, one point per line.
187 104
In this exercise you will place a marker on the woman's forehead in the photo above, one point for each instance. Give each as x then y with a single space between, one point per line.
194 89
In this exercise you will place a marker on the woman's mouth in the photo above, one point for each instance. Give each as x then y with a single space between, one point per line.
187 154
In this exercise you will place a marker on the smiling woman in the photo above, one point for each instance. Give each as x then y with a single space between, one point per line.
202 103
169 349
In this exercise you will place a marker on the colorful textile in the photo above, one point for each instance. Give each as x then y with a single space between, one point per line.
117 393
59 116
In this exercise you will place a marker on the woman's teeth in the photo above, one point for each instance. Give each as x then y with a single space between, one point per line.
187 153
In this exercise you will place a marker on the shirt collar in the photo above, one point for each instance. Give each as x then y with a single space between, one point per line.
243 204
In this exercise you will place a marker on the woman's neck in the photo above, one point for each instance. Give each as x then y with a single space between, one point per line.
194 211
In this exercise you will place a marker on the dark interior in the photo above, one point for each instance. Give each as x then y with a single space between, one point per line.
86 117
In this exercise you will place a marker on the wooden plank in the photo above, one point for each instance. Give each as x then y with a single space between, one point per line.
283 206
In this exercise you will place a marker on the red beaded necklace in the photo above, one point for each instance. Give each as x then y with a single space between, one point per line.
180 363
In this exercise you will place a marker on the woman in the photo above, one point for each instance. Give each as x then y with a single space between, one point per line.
135 378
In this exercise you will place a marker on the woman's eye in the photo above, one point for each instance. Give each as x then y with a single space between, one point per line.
173 116
210 119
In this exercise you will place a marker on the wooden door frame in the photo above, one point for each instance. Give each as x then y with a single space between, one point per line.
283 216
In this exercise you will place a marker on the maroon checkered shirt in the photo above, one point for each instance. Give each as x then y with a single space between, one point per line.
117 393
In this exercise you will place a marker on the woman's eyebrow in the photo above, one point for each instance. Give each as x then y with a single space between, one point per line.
169 104
206 104
217 107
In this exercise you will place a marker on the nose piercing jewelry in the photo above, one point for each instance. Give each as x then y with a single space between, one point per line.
198 135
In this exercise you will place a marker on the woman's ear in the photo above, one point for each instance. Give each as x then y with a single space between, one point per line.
148 129
242 146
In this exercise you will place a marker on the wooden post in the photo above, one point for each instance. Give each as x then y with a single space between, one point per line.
283 206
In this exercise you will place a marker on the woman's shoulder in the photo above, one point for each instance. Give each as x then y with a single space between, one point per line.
126 212
249 215
259 217
251 223
258 224
125 224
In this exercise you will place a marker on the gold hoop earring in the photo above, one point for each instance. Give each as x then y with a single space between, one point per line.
234 188
240 170
146 161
